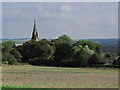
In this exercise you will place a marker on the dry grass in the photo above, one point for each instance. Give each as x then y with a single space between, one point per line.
56 77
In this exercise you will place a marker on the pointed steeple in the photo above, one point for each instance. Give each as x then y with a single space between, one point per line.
35 33
35 28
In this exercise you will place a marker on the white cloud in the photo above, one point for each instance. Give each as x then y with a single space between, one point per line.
79 20
66 8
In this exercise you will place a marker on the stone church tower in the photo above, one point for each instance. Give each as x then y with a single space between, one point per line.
35 33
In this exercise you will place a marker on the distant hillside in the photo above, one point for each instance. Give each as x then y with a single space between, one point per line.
17 41
107 44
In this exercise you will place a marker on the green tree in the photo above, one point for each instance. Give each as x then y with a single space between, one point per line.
83 55
76 48
8 46
35 49
93 46
12 60
7 56
16 54
65 39
62 52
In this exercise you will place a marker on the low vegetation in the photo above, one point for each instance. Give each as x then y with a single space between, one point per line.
28 76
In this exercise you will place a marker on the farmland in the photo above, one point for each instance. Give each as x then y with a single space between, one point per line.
28 76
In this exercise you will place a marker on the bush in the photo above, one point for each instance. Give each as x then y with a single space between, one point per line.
110 54
117 61
16 54
95 59
12 60
42 61
5 62
69 63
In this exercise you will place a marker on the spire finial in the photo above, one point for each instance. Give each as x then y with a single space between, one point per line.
34 21
35 34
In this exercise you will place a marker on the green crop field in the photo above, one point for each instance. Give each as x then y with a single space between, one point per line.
28 76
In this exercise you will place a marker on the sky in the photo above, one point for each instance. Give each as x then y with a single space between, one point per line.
0 20
79 20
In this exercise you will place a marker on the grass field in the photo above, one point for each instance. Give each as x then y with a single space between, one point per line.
28 76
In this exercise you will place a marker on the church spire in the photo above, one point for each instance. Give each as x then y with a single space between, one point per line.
35 33
35 28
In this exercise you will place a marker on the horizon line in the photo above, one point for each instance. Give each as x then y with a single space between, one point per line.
73 39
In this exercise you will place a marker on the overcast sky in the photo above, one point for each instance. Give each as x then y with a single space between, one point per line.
78 20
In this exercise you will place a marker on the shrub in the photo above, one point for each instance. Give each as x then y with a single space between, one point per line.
16 54
95 59
42 61
12 60
5 62
117 61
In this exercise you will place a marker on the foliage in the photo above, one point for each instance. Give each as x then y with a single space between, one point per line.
63 39
12 60
8 46
96 59
35 49
83 55
58 52
16 54
117 61
62 52
9 54
93 46
110 54
76 48
42 61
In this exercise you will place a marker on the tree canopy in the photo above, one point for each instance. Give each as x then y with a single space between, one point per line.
57 52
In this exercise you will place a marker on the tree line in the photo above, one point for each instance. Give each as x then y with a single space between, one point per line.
57 52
